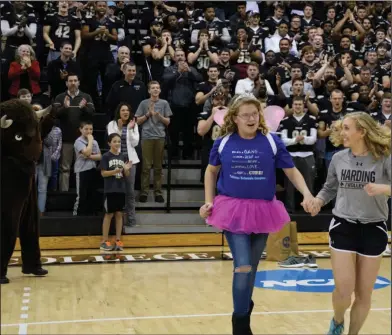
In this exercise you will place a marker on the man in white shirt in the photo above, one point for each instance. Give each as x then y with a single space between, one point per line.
248 85
272 43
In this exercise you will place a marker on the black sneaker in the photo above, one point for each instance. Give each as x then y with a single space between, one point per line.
159 198
4 280
143 198
35 272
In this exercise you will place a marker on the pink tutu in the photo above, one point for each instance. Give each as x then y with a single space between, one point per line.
246 216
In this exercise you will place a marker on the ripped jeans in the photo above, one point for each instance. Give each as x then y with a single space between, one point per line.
246 251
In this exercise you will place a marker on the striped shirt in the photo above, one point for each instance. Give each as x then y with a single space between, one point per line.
124 147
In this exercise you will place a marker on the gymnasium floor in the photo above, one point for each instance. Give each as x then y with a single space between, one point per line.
172 297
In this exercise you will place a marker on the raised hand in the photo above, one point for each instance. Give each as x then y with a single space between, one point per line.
131 124
120 124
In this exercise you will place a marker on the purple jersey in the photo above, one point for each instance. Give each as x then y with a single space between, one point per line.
248 166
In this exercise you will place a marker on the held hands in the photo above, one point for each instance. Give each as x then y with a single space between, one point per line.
312 205
206 210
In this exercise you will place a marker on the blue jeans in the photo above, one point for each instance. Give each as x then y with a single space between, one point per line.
42 181
53 181
246 251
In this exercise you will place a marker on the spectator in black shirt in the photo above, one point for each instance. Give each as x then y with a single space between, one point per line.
242 53
383 59
59 68
203 55
273 22
59 28
206 88
208 128
226 70
308 20
99 32
181 80
239 18
162 55
330 83
326 118
216 28
295 27
114 71
19 25
73 107
285 57
383 116
179 34
256 33
129 90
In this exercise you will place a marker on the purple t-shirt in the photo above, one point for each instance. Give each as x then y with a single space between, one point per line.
248 166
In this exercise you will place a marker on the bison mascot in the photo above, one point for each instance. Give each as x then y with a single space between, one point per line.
21 131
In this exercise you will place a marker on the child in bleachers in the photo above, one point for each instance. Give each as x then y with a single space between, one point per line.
114 167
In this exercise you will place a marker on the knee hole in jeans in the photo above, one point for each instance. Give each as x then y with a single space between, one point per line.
243 268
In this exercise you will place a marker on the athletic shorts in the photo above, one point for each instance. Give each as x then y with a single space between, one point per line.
365 239
114 202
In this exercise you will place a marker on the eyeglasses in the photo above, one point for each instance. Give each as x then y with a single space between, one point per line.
247 117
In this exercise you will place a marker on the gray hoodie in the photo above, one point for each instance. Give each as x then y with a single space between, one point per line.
347 175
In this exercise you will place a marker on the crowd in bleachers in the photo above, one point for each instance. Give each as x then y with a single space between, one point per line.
160 65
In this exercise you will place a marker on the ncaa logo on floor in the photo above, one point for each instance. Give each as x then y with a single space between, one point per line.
303 280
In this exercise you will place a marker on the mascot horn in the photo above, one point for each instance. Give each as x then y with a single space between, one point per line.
21 131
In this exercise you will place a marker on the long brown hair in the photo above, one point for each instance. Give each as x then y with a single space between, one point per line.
230 126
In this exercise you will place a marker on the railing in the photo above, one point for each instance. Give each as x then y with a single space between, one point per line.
169 168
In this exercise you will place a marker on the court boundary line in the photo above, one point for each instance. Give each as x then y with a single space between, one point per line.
180 316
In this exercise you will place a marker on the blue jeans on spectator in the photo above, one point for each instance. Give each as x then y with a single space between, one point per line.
328 157
246 251
42 181
54 179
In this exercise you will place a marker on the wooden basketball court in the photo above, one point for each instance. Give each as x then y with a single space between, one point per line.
169 297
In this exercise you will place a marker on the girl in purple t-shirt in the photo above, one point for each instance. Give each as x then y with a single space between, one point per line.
245 158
